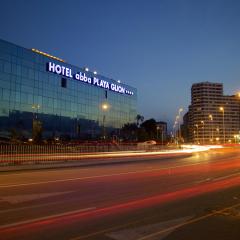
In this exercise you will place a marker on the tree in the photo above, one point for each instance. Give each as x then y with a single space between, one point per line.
14 134
129 131
150 126
37 130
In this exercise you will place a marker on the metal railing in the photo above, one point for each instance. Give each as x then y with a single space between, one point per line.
33 154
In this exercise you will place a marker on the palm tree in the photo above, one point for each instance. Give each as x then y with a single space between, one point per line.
139 119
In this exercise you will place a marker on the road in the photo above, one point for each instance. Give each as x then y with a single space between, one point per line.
187 197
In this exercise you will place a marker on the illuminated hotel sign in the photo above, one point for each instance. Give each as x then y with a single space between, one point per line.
67 72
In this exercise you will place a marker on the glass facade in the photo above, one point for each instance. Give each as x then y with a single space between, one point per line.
58 104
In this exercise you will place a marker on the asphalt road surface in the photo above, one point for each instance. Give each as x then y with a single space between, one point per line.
187 197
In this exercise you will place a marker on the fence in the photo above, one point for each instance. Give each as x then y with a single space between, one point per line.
34 154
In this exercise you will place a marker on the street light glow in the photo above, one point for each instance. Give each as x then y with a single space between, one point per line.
222 110
35 106
211 119
104 106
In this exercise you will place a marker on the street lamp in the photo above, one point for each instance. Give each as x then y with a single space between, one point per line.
222 110
35 122
235 138
104 107
157 131
211 119
238 95
217 133
34 107
203 137
179 128
174 132
196 125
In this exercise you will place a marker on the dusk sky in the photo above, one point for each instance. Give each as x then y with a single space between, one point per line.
161 47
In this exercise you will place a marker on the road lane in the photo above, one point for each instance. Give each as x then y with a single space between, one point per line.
67 174
112 186
148 173
73 218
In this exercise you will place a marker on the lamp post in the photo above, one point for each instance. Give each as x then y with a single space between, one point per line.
203 137
35 122
157 131
162 136
104 107
34 107
179 128
238 96
235 138
177 131
217 134
196 125
174 132
211 120
223 122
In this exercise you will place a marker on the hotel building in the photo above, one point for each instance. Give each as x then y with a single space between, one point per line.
43 94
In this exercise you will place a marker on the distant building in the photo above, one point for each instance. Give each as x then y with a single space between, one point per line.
212 116
161 131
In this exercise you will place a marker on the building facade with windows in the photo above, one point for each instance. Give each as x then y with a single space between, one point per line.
43 95
212 117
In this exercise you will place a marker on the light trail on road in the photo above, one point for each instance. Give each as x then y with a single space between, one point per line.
64 198
182 168
151 201
26 157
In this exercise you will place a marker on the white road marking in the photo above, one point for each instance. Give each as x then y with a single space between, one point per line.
138 232
30 207
226 176
188 222
214 179
13 199
202 181
155 234
46 217
10 174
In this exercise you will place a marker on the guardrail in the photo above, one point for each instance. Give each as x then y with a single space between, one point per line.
35 154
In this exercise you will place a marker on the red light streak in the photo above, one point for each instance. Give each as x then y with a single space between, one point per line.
121 207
